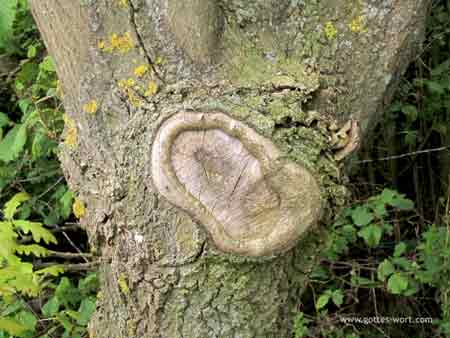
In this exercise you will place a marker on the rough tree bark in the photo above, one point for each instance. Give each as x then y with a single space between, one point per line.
207 137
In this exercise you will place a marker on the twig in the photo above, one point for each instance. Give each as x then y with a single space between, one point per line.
68 255
71 267
406 154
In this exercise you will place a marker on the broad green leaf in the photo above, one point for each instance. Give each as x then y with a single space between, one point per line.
4 120
32 249
27 319
361 216
51 307
12 205
47 64
37 231
397 283
12 326
385 269
402 203
400 249
87 308
66 292
338 297
371 235
89 283
66 204
322 301
13 143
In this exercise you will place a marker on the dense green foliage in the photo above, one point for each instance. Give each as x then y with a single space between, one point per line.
38 293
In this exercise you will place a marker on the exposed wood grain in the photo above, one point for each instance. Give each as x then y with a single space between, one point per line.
234 183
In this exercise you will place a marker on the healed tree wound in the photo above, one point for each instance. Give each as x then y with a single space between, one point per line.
233 182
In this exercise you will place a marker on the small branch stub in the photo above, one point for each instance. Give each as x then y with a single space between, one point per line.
234 183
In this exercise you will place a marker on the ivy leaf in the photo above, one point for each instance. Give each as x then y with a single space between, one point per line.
322 301
371 235
13 143
361 216
12 205
385 269
397 283
37 231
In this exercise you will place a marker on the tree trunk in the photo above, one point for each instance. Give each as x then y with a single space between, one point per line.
207 140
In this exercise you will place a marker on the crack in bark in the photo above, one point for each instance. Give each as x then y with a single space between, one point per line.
141 41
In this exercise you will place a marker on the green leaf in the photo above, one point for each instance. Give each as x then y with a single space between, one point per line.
32 249
338 297
13 327
32 51
385 269
88 284
397 283
54 270
400 249
4 120
7 239
361 216
87 308
37 231
51 307
27 319
13 143
47 64
371 235
66 292
66 204
12 205
322 301
402 203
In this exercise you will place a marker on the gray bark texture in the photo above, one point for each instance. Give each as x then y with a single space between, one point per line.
207 139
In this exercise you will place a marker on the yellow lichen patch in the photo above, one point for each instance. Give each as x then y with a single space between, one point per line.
123 285
123 3
71 133
152 89
101 44
330 30
91 107
356 25
141 70
78 208
130 89
117 43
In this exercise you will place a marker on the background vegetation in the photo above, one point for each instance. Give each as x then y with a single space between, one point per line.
387 256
